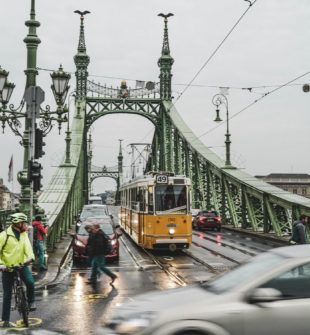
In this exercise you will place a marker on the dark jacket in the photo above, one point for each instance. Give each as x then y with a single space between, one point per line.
299 233
97 244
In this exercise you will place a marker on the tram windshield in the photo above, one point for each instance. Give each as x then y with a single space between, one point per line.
171 199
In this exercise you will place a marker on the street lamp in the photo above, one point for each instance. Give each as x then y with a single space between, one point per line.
217 100
32 99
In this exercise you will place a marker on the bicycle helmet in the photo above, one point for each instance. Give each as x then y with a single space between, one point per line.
18 218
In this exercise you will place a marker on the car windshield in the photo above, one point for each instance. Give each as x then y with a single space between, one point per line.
245 273
212 214
94 212
105 227
98 202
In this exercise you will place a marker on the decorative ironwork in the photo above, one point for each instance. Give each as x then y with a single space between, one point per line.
110 92
97 107
81 60
98 172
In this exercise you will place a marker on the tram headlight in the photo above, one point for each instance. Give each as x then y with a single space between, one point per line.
171 231
134 323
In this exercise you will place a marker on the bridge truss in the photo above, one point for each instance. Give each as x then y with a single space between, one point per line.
242 200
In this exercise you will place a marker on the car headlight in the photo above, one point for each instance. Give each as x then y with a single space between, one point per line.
79 243
133 324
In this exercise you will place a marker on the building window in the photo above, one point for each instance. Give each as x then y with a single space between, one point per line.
304 191
295 190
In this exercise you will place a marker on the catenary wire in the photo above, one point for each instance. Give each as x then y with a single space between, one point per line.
214 52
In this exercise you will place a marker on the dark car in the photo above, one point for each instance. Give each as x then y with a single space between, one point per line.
207 219
80 239
93 211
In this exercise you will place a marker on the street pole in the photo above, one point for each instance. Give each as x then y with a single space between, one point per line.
33 96
217 100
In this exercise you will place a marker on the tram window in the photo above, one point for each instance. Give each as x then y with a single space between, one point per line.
150 200
169 197
141 199
134 202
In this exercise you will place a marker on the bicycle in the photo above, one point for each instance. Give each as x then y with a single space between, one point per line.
18 291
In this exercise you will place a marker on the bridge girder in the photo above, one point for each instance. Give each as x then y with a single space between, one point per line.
98 107
113 174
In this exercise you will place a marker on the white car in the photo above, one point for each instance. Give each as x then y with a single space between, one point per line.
268 295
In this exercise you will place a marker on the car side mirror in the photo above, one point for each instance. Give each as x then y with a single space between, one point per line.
118 230
72 234
111 216
264 294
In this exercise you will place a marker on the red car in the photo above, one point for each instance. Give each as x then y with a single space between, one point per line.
80 239
207 219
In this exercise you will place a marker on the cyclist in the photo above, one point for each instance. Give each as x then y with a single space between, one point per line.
15 249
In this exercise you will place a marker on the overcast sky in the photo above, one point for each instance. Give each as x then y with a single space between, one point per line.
268 48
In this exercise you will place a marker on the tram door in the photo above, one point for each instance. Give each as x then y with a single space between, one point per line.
141 210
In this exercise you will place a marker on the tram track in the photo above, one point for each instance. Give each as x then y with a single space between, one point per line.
217 253
226 244
171 270
140 261
171 274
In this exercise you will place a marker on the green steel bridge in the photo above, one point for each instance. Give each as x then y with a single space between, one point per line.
243 201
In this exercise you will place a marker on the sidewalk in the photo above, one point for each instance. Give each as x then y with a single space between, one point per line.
57 260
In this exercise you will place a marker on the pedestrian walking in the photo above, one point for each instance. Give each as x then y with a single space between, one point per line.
15 249
39 232
299 235
98 246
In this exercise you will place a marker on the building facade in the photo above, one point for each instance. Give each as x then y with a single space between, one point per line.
296 183
8 199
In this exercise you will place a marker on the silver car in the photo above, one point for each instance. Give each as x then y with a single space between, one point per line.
268 295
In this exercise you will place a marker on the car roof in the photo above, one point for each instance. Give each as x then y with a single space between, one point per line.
293 251
101 219
89 206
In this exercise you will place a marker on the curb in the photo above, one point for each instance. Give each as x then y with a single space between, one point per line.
57 265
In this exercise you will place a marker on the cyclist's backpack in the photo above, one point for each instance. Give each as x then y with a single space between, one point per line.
6 240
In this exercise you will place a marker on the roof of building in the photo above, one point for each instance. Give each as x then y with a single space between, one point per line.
286 175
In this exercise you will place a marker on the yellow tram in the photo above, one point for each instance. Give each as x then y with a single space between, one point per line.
155 211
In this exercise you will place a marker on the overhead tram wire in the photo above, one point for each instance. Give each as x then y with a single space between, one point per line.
211 56
254 102
215 51
249 88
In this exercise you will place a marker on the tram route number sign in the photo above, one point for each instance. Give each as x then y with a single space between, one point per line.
162 179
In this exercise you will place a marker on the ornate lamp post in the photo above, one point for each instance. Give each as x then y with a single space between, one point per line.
217 100
32 99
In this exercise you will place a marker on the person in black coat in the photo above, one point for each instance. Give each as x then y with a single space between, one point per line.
299 231
97 247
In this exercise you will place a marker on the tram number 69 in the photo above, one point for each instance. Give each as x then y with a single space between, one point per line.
162 179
